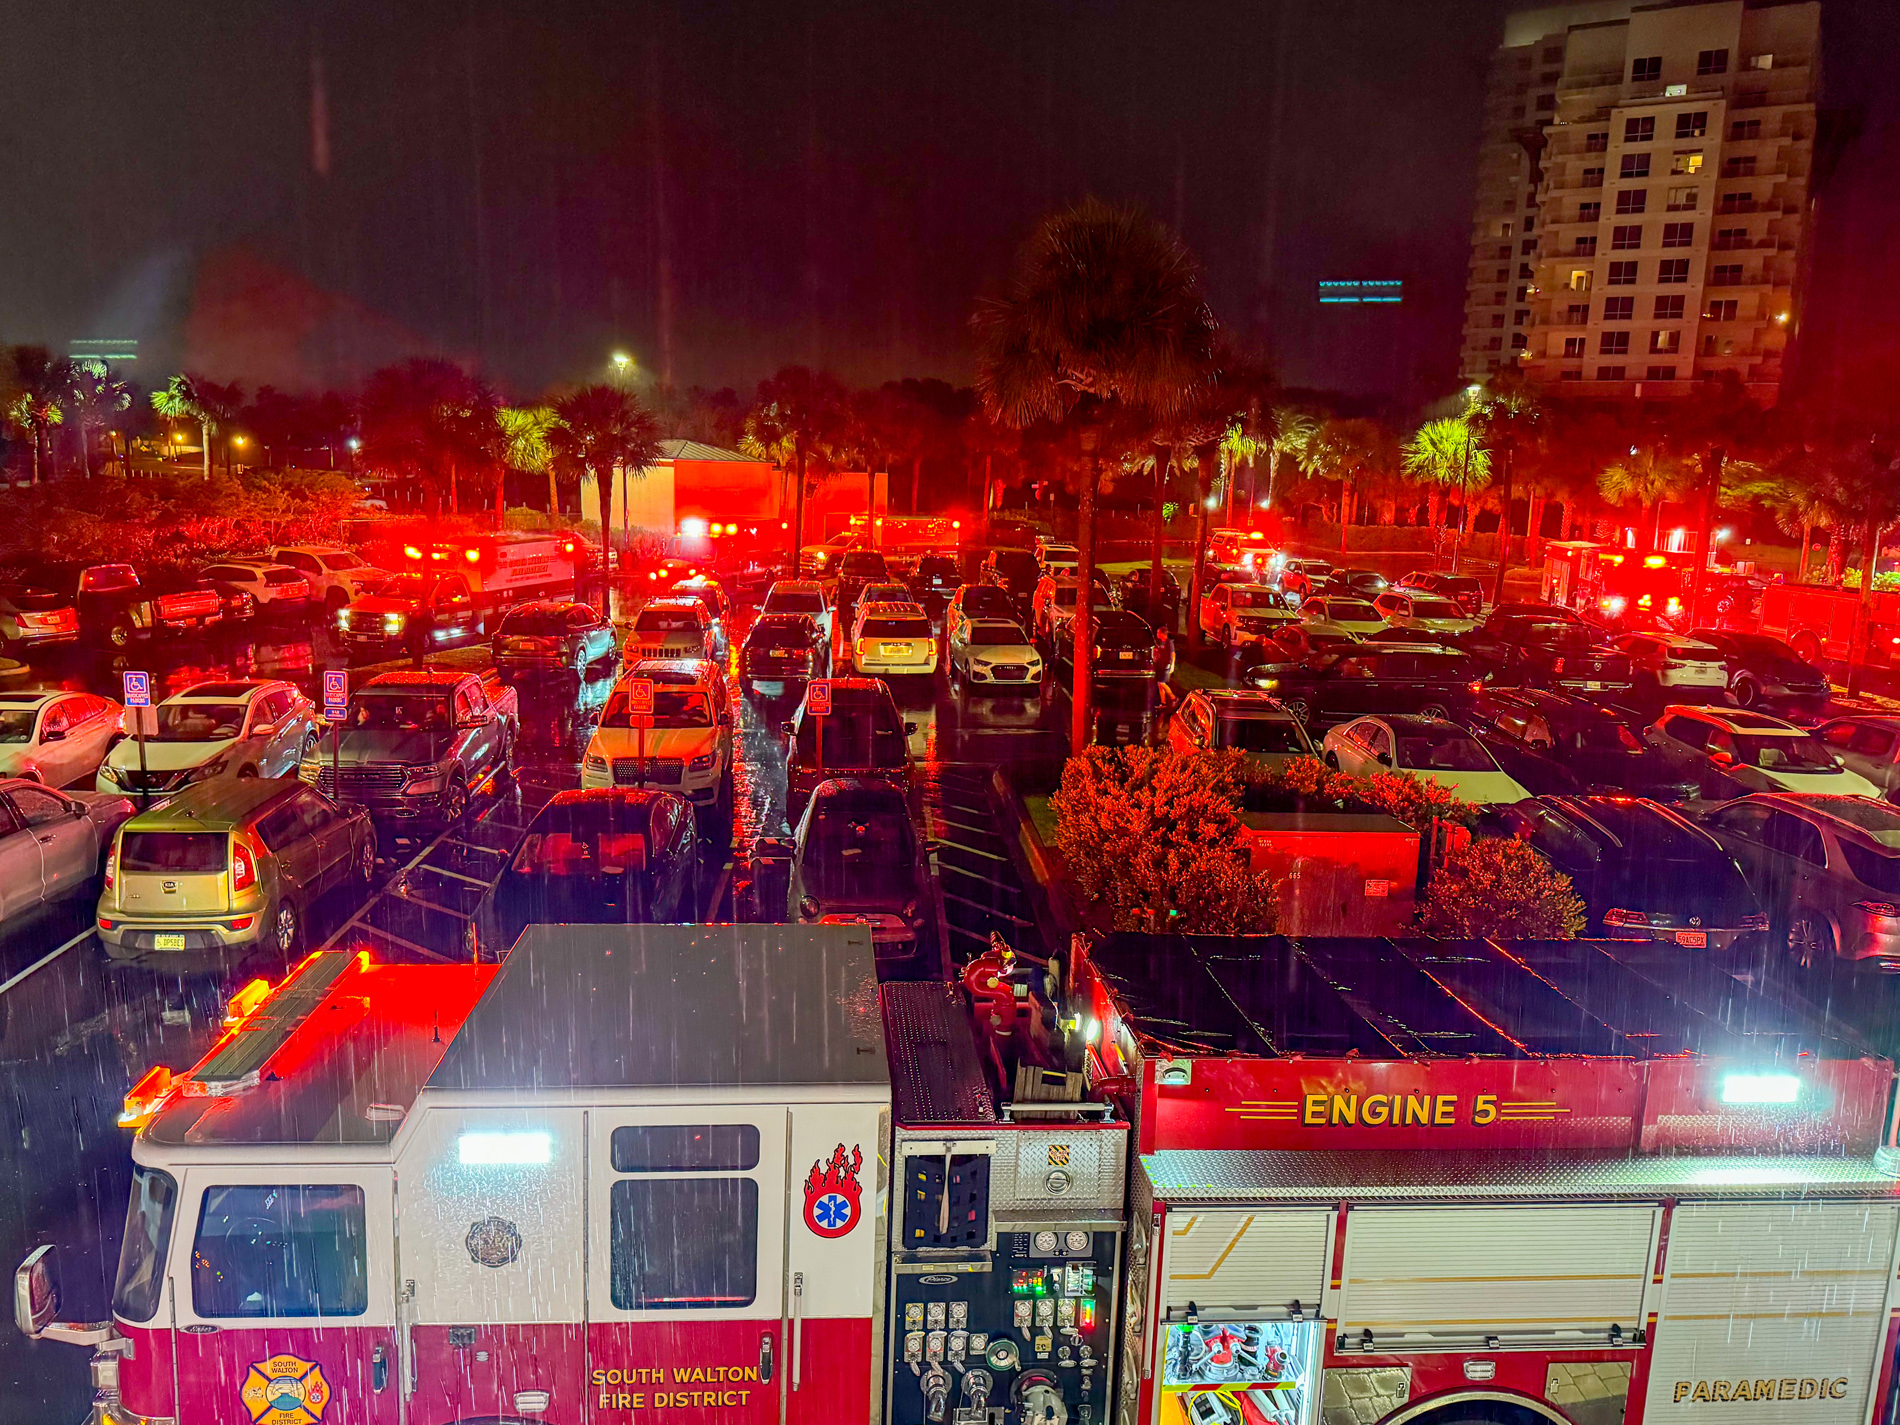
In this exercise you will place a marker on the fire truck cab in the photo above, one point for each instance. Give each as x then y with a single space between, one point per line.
1617 586
501 569
634 1173
1438 1183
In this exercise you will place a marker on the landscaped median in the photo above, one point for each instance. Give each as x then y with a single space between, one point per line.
1215 843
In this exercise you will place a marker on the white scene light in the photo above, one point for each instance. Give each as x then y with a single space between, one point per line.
1760 1088
488 1150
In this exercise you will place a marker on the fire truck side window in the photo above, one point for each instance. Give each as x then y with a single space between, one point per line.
148 1233
684 1243
686 1148
273 1251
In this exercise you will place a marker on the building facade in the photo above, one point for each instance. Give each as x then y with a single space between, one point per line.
1653 194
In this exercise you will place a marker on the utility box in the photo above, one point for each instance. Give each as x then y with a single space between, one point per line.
1340 873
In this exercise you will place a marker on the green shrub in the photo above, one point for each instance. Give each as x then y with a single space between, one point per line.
1502 889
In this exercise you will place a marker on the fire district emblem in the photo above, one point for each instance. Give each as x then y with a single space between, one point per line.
832 1193
285 1390
493 1242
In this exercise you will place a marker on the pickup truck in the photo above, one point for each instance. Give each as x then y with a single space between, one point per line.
417 613
413 743
117 607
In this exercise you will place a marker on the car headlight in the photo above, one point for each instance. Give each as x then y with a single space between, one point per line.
393 623
595 764
343 618
421 778
210 769
703 763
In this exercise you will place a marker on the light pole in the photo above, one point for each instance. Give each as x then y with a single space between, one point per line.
623 367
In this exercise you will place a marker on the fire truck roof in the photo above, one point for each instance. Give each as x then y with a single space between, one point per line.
643 1006
1425 999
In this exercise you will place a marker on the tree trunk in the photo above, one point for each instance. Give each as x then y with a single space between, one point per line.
1712 462
1202 457
204 440
1504 526
554 495
917 482
1863 612
454 509
870 501
1807 537
1435 504
1154 549
989 489
501 499
1345 511
1084 621
35 443
1273 476
1835 553
798 501
85 453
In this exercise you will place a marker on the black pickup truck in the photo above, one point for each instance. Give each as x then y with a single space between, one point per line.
119 607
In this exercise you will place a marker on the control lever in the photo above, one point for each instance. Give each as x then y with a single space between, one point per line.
977 1385
936 1392
1038 1400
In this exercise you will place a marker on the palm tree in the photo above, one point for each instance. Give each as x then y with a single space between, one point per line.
97 396
1445 453
38 387
1352 452
1105 316
1293 433
1861 480
602 427
528 448
1646 477
798 415
198 399
1507 416
425 421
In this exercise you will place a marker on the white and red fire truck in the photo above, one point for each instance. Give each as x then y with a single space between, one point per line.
1429 1183
501 569
632 1174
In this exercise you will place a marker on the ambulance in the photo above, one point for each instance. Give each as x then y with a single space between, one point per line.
501 569
1387 1182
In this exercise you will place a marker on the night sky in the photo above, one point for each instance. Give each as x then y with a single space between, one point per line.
728 186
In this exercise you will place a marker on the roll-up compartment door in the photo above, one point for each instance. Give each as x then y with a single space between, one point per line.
1456 1273
1235 1259
1772 1302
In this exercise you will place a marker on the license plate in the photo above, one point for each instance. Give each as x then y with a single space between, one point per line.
1592 685
168 940
1693 939
1128 658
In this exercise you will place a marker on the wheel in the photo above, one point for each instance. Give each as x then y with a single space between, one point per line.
1808 648
1747 692
120 635
1301 709
455 799
336 601
1331 759
1810 940
284 928
1437 710
309 745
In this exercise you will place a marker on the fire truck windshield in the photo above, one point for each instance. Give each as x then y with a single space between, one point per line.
281 1250
148 1229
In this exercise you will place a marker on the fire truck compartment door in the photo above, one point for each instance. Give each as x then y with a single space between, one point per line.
1243 1260
1772 1302
1525 1272
687 1214
286 1295
491 1207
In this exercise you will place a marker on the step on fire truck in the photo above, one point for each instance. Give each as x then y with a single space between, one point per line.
632 1174
1440 1183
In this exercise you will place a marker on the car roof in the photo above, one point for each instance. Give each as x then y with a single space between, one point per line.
1249 702
1413 722
215 805
795 586
674 603
642 797
1737 721
1614 820
1121 618
1886 720
700 670
547 605
34 697
221 692
784 618
870 789
415 680
1841 812
889 606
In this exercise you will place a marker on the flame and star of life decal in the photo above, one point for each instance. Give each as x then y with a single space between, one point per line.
833 1195
285 1390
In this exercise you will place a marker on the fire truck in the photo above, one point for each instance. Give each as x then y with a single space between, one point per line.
1442 1183
1819 621
633 1173
501 569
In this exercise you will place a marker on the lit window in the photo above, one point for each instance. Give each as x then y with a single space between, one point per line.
1678 235
1712 61
1613 344
1579 280
1665 341
1632 200
1669 309
1646 70
1687 160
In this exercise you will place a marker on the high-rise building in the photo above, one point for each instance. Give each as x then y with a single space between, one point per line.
1643 196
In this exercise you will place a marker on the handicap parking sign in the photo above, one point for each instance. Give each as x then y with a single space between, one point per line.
640 697
138 690
336 693
818 697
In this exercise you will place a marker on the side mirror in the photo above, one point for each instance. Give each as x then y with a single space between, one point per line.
910 729
1722 759
264 729
53 734
36 1291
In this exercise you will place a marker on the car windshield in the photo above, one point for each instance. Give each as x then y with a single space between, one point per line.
199 722
1803 754
1436 608
109 579
937 566
16 724
854 736
338 563
1559 635
666 621
863 564
859 853
1257 599
996 633
535 623
1260 734
895 626
1349 611
1064 596
985 599
1446 749
193 853
795 601
581 851
1693 652
399 586
886 593
401 712
672 708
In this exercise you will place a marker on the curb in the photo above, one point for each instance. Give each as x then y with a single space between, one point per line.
1057 916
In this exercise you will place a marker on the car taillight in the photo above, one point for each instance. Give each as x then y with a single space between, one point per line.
1615 916
243 867
1887 910
1556 666
112 866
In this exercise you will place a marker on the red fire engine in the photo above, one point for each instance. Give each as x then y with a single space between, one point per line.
1432 1182
1819 621
501 569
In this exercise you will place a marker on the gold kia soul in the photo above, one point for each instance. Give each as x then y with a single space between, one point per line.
228 865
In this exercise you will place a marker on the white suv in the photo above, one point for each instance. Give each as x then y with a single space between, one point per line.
336 576
687 743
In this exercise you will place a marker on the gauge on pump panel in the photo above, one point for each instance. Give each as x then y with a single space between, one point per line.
1077 1241
1046 1242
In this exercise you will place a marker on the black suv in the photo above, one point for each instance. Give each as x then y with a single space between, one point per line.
1372 678
1164 612
934 580
862 736
1766 672
782 652
1124 648
1541 645
1017 571
1561 743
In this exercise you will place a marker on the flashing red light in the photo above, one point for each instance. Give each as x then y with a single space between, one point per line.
1254 534
243 867
246 1000
145 1097
567 546
473 556
956 524
1654 561
411 551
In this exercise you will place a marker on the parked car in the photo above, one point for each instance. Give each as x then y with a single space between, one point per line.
1372 678
417 613
886 593
1764 671
673 626
1365 584
336 575
1304 578
249 727
801 596
1163 613
552 636
856 570
1341 615
857 858
229 866
687 743
979 601
1734 753
1123 650
51 844
934 580
781 653
1669 667
1053 612
1827 870
32 619
611 856
893 640
1420 612
414 744
1549 653
1644 872
1461 589
1562 744
1015 571
862 736
1297 642
820 561
1429 748
117 607
1235 615
1243 554
1057 557
56 737
710 592
1867 745
1238 720
992 655
275 590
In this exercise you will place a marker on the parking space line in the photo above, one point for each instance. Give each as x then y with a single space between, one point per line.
44 960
